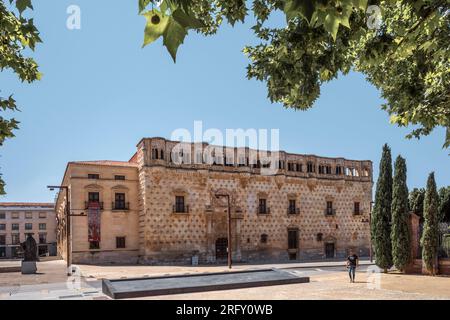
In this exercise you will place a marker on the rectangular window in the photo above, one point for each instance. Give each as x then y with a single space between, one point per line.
94 245
28 215
42 215
290 166
310 168
119 203
292 207
42 226
94 197
2 215
28 226
330 211
299 167
356 209
120 242
262 208
2 227
42 238
119 177
15 239
179 204
15 215
2 240
15 226
338 170
93 176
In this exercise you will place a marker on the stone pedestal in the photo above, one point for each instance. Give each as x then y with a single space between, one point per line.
29 267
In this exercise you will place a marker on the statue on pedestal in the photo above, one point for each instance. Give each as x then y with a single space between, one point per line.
30 255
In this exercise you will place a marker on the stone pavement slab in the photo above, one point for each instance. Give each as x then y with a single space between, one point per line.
141 287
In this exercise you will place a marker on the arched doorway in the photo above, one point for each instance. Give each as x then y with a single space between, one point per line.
221 248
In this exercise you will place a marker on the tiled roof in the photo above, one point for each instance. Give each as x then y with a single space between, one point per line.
26 204
107 163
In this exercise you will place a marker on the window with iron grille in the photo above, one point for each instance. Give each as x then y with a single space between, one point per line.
310 167
120 242
93 176
119 177
262 206
120 201
292 206
179 204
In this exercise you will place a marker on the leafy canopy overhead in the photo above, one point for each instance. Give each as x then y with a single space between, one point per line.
17 33
403 51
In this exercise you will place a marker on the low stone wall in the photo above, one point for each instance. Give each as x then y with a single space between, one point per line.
105 257
444 266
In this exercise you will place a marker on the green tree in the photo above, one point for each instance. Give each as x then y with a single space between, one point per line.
430 235
17 33
416 197
381 214
405 54
400 234
444 204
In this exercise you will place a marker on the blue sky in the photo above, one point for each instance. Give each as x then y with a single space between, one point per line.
101 93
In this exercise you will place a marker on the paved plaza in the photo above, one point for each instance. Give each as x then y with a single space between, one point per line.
328 280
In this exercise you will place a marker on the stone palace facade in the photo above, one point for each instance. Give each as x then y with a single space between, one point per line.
159 208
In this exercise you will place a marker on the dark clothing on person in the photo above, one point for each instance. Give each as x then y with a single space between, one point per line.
352 262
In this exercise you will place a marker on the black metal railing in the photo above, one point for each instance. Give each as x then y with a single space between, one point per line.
293 210
357 212
263 210
330 212
180 208
93 204
120 205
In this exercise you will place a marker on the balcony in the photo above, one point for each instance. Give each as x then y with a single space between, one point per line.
180 209
93 205
120 206
330 212
293 210
263 210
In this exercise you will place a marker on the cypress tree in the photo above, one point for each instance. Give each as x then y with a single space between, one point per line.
400 236
381 214
430 235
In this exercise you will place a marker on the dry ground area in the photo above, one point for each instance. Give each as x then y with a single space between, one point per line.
328 281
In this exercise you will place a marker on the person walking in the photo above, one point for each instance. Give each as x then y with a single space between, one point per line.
352 263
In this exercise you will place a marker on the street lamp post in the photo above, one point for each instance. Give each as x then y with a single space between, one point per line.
227 196
67 216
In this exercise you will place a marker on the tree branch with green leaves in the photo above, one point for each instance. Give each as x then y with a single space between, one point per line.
406 56
17 33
